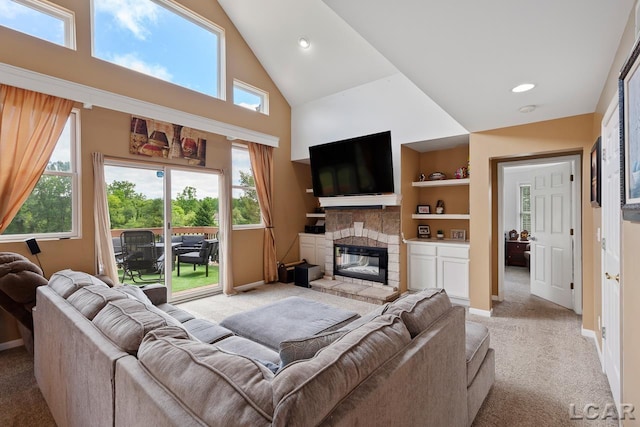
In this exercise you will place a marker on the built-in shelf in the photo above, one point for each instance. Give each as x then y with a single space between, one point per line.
441 182
440 216
390 199
315 215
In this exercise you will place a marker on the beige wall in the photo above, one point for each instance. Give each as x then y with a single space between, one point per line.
107 131
544 138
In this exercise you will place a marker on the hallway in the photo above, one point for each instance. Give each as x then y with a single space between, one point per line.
543 363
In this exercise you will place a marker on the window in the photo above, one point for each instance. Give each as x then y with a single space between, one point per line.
161 39
40 19
53 208
250 97
525 207
246 208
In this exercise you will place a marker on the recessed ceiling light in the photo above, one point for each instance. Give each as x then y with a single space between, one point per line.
527 108
523 87
304 43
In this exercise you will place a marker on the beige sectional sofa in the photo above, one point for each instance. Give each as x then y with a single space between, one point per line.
112 357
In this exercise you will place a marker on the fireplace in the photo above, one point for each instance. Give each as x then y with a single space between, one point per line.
360 262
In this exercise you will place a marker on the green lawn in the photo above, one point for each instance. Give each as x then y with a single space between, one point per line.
188 279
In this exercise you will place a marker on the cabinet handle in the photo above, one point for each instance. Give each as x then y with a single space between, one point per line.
609 277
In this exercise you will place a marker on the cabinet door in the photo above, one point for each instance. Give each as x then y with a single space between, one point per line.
422 272
308 249
453 276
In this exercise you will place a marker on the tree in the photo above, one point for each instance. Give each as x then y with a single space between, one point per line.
246 208
206 213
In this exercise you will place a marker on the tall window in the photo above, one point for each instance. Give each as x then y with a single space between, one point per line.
525 207
246 208
40 19
53 208
161 39
250 97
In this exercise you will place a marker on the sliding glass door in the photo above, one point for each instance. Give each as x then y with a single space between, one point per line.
164 226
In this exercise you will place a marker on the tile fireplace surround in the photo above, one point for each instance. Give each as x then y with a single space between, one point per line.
362 227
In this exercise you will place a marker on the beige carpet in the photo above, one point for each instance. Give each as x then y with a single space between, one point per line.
543 364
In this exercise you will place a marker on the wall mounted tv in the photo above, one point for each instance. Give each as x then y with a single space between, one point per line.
354 166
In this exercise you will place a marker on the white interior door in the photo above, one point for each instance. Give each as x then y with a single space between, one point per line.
611 251
551 223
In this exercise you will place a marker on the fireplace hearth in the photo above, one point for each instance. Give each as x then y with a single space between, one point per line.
360 262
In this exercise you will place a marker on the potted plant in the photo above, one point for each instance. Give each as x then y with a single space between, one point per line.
440 234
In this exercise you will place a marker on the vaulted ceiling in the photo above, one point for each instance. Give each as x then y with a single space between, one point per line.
465 55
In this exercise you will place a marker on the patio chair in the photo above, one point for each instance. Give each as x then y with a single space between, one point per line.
139 256
200 257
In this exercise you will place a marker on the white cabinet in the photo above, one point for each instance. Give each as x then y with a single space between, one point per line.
312 249
439 264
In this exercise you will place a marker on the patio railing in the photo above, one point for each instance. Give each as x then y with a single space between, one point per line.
208 231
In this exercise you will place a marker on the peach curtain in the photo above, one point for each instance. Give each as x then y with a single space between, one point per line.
262 164
30 126
105 256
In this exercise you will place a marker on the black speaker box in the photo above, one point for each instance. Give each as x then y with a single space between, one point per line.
33 246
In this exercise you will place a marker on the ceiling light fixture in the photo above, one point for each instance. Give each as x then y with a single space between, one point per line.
523 87
304 43
527 108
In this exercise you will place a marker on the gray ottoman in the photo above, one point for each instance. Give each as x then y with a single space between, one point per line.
290 318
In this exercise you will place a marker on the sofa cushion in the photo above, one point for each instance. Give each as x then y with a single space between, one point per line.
378 311
177 313
307 390
247 348
477 345
89 300
421 309
306 348
206 331
287 319
219 387
66 282
134 291
127 321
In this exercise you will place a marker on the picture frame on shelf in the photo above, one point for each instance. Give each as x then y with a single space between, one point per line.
629 96
457 234
423 209
424 231
596 162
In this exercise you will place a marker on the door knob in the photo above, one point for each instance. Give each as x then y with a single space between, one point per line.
609 277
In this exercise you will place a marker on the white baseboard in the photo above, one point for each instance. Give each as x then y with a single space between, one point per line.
497 298
588 333
11 344
478 312
248 286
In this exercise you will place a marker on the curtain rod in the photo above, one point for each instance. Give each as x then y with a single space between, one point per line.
160 164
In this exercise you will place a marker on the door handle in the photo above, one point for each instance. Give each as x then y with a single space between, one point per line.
608 276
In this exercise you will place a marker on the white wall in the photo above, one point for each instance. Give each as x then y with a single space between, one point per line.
392 103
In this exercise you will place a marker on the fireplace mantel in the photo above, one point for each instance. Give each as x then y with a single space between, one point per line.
391 199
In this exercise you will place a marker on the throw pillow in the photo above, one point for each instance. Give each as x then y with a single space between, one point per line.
305 348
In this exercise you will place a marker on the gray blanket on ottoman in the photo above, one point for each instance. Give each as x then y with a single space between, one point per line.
290 318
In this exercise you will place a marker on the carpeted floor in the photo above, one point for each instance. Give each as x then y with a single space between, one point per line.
543 363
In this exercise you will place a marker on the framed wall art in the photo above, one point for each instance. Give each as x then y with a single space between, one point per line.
423 209
458 234
629 95
424 231
595 174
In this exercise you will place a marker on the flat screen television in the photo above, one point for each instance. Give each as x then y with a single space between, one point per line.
354 166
